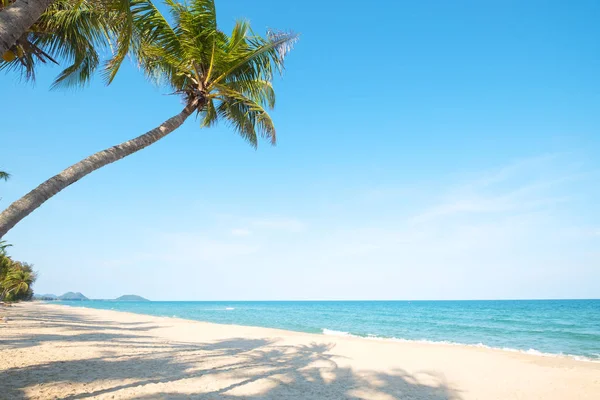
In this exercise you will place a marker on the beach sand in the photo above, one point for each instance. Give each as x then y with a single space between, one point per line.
49 351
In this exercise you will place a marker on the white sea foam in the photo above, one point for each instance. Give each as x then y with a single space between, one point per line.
229 308
331 332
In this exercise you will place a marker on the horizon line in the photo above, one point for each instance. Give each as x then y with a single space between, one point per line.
349 300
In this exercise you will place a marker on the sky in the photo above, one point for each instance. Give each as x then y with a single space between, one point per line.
426 150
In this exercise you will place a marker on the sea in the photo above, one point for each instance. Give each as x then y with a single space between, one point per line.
542 327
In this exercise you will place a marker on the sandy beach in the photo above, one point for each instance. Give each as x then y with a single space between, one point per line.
49 351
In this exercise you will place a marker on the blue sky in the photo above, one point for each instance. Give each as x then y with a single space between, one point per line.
426 150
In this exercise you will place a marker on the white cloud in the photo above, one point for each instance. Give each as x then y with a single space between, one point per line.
508 225
242 226
193 247
512 188
278 224
587 232
526 165
187 248
240 232
511 232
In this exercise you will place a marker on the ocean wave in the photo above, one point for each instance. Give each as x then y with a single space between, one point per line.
332 332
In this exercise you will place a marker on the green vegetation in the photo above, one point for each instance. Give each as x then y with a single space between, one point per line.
218 77
74 32
16 278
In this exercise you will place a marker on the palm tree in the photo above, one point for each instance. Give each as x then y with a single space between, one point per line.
16 19
5 262
217 76
18 282
75 32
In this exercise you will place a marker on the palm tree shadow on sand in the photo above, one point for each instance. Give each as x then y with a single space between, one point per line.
134 365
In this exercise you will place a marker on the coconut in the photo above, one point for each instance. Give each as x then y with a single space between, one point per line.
9 56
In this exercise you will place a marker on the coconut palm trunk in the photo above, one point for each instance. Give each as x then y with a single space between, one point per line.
32 200
17 18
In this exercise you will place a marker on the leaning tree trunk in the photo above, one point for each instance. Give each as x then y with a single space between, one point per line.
32 200
17 18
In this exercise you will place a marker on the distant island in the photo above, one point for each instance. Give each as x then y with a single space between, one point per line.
45 296
131 297
73 296
77 296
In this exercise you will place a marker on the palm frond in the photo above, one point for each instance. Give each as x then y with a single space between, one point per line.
122 22
159 51
3 247
259 90
259 58
229 78
209 115
245 115
77 33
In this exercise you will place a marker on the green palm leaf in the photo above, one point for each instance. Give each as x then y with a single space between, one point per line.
18 280
226 77
3 247
76 33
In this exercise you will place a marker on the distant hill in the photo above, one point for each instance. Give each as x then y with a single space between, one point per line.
72 296
45 296
131 297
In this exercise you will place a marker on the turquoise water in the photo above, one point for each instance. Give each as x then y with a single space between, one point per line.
567 327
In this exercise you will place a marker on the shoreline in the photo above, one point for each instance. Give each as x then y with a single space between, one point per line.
332 332
60 351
